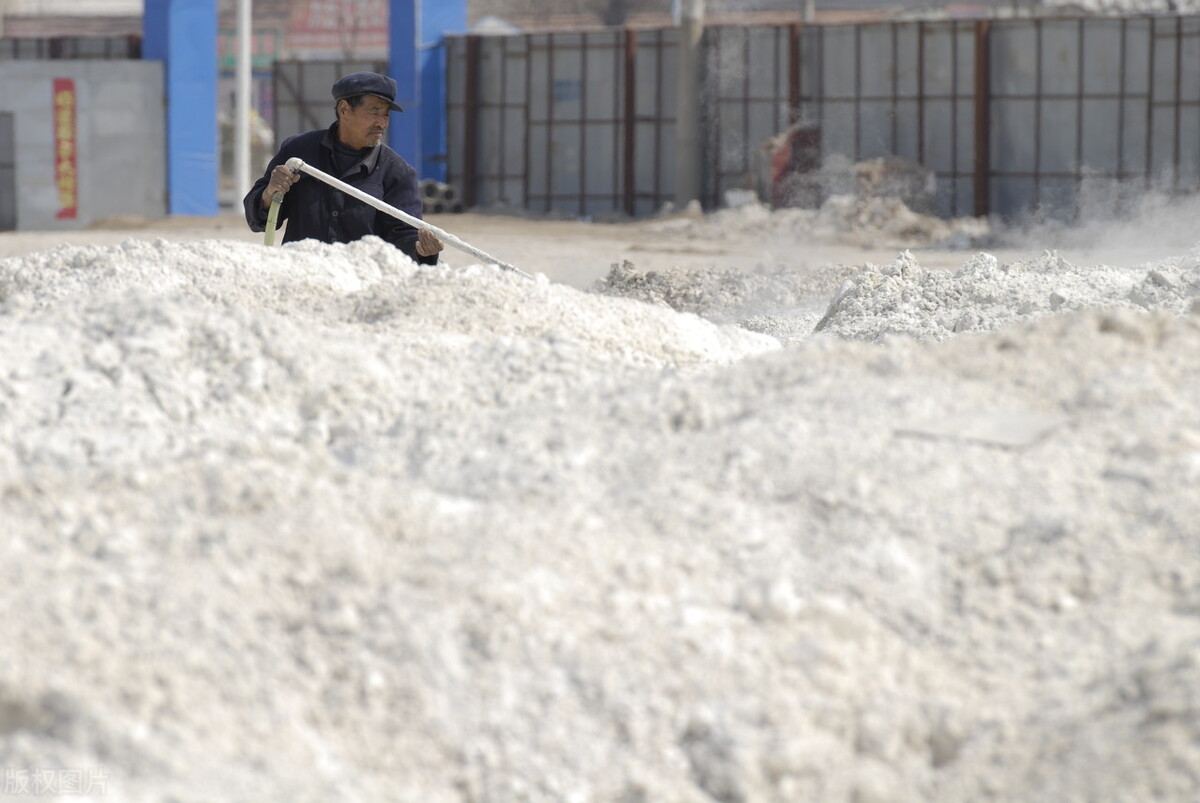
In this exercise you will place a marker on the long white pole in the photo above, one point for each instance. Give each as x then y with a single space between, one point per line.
241 118
298 165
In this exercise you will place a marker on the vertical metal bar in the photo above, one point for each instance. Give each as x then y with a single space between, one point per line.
1150 104
794 31
658 118
583 83
631 45
820 88
954 119
1121 57
618 127
1079 127
528 115
921 92
858 92
745 100
1037 118
895 144
1178 99
549 121
471 121
983 122
777 62
714 121
502 123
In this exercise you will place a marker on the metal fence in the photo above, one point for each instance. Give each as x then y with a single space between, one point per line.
71 47
301 93
578 122
1063 117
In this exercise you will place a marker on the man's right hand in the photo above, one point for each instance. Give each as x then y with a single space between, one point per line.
280 182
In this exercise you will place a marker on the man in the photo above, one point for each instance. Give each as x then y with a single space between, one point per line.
352 150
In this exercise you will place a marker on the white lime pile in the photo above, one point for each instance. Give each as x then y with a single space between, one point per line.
314 523
903 298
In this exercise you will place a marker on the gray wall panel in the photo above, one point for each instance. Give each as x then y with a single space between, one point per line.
1189 137
601 161
964 34
875 129
964 126
539 64
539 161
765 121
1013 58
766 72
908 37
120 139
603 79
1059 128
964 198
514 141
939 135
1135 72
565 164
1162 73
1060 57
1189 90
516 71
566 89
839 68
1102 67
908 130
1012 135
1162 145
838 129
1099 197
1132 153
1056 198
876 56
1011 195
940 60
1101 120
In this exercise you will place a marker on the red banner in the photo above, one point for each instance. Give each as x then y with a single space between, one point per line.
66 162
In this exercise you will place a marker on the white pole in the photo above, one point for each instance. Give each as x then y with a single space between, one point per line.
298 165
241 120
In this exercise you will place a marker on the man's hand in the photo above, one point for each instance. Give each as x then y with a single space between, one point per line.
281 181
427 243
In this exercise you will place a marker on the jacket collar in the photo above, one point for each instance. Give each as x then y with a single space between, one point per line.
330 139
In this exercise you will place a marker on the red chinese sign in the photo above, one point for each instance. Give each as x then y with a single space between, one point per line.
66 162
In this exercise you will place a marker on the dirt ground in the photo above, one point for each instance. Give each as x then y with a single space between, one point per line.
578 253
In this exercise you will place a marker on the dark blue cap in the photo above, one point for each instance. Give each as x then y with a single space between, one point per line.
367 83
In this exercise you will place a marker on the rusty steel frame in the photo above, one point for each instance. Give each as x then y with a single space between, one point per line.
787 94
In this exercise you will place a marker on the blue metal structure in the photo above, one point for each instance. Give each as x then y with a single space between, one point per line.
418 63
183 35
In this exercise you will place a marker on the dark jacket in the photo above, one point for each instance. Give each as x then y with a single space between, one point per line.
314 210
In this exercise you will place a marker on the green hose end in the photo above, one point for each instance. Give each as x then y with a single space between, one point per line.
272 217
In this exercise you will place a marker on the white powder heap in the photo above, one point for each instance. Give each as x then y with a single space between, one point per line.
314 523
903 298
845 219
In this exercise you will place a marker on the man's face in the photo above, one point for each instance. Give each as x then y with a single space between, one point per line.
364 126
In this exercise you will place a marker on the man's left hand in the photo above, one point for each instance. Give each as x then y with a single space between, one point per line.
427 243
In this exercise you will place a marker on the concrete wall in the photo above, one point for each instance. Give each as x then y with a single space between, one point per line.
120 131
